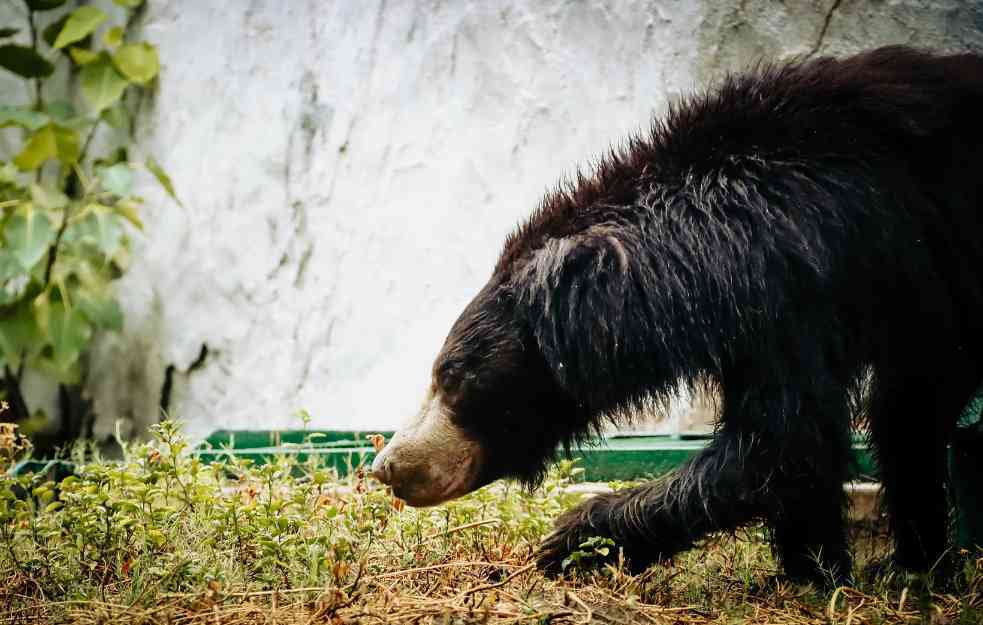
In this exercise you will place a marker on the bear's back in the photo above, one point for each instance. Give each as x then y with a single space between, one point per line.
889 103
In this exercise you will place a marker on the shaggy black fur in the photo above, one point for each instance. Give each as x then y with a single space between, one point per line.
784 235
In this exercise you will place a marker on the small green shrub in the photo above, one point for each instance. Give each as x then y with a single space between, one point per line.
160 522
594 549
161 537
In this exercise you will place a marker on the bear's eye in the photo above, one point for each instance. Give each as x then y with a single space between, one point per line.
448 375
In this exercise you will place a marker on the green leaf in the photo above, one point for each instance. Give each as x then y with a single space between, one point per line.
81 56
117 117
9 266
52 141
101 309
8 174
127 209
163 179
61 111
101 84
69 333
81 23
8 32
25 118
48 198
113 37
39 149
24 61
44 5
117 179
67 143
63 114
50 32
28 234
137 61
130 4
13 279
19 332
119 155
573 558
98 226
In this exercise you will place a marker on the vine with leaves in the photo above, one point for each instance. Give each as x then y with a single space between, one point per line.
67 215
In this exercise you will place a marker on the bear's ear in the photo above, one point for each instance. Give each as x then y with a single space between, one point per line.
577 293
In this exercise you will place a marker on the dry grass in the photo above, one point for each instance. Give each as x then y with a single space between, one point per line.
730 579
240 544
727 581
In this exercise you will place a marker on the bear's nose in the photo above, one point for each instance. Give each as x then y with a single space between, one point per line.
382 468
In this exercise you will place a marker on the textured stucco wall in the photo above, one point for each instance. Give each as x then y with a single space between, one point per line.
349 170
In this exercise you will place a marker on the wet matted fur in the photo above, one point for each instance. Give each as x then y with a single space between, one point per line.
783 235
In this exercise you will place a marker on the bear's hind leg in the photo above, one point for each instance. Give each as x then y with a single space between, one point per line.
807 510
809 533
910 421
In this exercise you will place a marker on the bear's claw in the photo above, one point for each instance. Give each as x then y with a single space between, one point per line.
573 528
552 552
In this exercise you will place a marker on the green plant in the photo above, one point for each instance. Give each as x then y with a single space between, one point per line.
161 537
66 214
13 446
161 522
594 549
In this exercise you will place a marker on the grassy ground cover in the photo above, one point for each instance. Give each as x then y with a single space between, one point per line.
162 538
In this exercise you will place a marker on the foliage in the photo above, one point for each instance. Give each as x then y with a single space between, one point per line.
594 549
160 537
66 216
13 446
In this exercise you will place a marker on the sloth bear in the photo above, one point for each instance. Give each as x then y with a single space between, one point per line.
808 237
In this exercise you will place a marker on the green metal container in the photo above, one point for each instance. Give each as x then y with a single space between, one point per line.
966 475
615 457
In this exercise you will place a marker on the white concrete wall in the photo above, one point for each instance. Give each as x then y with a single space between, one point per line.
349 170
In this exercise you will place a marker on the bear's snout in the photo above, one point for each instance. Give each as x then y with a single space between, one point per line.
422 475
382 469
430 461
392 468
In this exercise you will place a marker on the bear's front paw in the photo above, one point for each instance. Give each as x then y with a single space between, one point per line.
582 536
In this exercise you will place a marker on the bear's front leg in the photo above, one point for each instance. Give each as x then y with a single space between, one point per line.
655 521
733 482
621 516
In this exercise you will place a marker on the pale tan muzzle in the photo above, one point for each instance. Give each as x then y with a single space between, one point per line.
431 460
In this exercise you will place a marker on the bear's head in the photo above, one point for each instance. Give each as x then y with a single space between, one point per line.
493 409
516 375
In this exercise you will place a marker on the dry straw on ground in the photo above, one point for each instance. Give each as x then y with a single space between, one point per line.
723 583
161 539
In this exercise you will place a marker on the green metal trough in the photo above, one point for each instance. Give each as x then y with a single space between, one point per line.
966 474
615 457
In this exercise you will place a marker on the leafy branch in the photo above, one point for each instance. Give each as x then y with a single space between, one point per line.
66 216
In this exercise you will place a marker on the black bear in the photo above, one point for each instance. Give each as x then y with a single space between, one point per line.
808 237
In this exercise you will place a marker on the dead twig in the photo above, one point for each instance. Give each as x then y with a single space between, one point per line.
508 579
